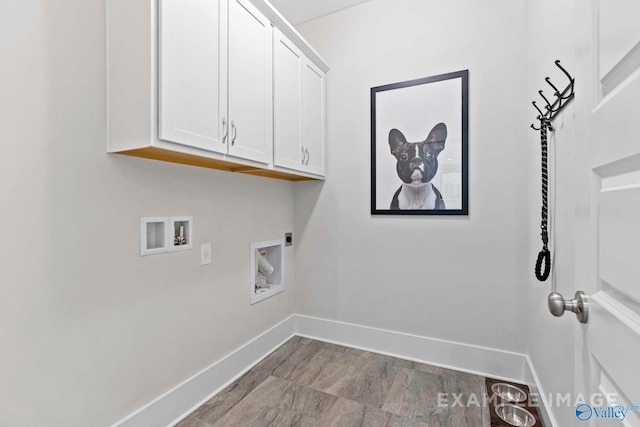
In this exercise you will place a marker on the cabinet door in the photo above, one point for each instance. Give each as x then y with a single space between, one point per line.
250 83
312 111
287 62
192 73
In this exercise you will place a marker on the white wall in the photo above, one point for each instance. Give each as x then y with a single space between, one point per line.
551 340
89 330
460 279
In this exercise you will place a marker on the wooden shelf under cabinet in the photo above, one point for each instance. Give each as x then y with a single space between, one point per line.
193 160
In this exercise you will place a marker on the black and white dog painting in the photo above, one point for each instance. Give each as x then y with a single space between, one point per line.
417 164
419 145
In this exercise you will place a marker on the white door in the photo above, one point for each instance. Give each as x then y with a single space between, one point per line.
192 77
312 100
608 205
250 83
287 62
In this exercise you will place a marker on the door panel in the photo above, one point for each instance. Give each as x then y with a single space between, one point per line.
613 342
614 142
250 82
286 97
614 395
608 348
619 254
618 36
618 33
191 93
312 83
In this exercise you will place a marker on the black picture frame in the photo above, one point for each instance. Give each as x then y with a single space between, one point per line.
414 123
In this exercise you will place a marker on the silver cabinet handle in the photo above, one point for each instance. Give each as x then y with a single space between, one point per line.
303 155
308 157
225 130
235 132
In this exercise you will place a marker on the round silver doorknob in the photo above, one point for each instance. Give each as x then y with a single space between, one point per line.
556 304
578 305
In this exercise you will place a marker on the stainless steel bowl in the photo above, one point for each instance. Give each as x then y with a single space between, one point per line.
515 415
509 392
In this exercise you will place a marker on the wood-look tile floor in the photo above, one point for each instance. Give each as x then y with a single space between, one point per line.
312 383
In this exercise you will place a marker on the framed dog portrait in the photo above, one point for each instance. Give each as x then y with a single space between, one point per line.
419 142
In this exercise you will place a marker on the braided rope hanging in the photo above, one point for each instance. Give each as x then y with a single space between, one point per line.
544 257
552 109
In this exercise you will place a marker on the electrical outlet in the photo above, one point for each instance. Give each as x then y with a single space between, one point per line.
205 254
288 239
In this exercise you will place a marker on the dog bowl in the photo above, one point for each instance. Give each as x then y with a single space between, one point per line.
515 415
509 392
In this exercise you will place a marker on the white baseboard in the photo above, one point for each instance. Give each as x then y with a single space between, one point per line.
533 381
473 359
177 403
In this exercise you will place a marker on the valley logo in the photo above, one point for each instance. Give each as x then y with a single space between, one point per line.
585 412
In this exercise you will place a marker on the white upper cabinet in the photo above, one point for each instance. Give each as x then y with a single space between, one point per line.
250 75
192 73
299 131
212 97
287 62
312 122
192 82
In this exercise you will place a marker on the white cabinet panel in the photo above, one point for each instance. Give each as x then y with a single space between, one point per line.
287 62
298 110
250 75
313 118
192 93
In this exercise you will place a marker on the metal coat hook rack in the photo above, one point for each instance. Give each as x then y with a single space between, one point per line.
552 109
557 304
